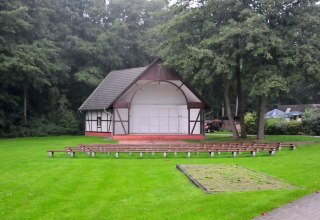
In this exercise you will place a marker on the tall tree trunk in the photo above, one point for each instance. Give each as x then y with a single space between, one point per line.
262 107
240 99
232 125
25 94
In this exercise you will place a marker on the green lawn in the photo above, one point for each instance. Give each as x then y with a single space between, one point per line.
227 137
34 186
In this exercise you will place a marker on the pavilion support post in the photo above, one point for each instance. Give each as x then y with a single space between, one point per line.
188 121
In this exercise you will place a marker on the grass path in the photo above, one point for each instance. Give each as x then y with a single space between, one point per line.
33 186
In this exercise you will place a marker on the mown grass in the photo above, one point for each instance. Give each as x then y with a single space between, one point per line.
34 186
227 137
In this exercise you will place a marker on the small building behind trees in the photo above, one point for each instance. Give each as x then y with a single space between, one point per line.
298 107
150 102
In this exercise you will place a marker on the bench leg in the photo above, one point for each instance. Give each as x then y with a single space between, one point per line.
188 154
141 154
279 148
175 153
117 154
253 153
219 152
93 154
130 153
234 153
164 154
212 154
72 154
152 153
51 153
272 152
292 147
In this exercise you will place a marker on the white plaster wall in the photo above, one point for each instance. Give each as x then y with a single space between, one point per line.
91 125
118 129
153 87
183 119
107 125
193 117
159 109
163 119
121 114
88 128
128 95
159 94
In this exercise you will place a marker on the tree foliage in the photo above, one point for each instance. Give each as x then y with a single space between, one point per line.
262 43
54 52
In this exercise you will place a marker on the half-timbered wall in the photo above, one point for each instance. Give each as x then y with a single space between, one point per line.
121 121
196 121
98 121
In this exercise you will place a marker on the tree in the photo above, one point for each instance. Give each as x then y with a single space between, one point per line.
241 40
55 49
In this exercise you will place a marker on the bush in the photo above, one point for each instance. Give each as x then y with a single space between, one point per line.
276 126
251 121
311 123
42 127
294 128
280 126
315 126
61 121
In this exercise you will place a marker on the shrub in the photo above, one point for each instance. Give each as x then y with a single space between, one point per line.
311 123
294 128
42 127
250 120
66 117
280 126
276 126
315 126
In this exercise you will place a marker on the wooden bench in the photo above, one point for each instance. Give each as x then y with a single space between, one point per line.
51 152
211 148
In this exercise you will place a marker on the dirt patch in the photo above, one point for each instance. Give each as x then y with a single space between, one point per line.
152 142
230 178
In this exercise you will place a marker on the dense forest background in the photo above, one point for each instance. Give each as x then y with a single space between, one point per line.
54 53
